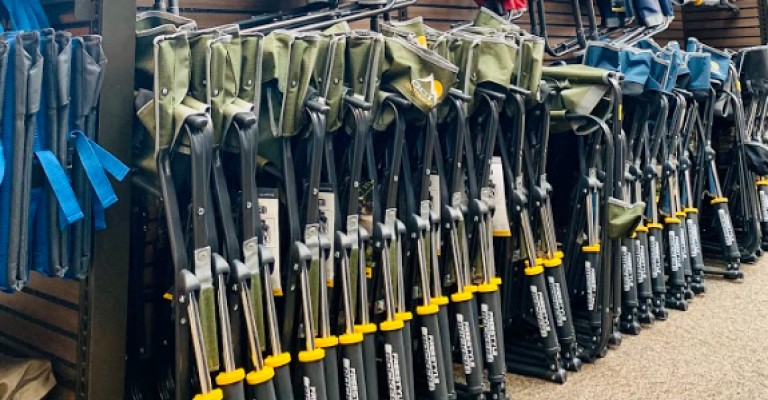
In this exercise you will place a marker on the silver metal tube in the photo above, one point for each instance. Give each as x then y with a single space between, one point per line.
250 324
227 353
196 331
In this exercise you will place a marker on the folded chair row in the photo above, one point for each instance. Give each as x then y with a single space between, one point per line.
406 213
54 177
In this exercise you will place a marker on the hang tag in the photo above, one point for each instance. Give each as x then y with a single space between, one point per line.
434 196
269 210
327 208
499 197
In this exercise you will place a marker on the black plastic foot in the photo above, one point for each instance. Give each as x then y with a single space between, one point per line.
646 318
630 328
749 258
660 313
689 294
698 288
733 275
498 392
572 364
615 339
677 304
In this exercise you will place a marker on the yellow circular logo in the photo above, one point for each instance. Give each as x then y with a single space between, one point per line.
422 40
715 66
438 88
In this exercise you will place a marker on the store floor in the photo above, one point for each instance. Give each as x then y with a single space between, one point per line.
717 350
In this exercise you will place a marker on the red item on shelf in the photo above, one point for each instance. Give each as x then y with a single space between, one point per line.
507 5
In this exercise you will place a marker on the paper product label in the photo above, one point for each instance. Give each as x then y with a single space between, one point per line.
499 196
269 210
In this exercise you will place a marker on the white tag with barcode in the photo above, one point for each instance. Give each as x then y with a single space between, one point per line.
499 195
269 210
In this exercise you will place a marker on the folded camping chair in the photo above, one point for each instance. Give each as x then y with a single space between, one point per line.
625 210
422 224
47 239
418 76
249 275
214 82
487 214
666 67
529 192
357 176
330 74
634 64
756 101
260 276
583 100
50 242
678 128
738 180
472 227
23 76
44 133
178 146
691 87
716 227
355 167
494 180
540 193
292 137
91 165
424 88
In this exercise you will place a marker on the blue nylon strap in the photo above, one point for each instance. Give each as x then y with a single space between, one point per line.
117 169
99 218
17 12
39 14
2 162
96 162
111 164
60 185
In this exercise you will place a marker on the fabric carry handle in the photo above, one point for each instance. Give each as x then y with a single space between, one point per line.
97 162
59 182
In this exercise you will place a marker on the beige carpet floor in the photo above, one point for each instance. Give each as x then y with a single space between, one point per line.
716 350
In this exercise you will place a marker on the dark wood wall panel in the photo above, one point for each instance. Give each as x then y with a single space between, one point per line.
42 321
723 28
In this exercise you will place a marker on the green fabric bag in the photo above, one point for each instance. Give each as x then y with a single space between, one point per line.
225 68
530 64
580 90
150 25
216 74
623 218
437 41
418 74
289 64
288 67
329 73
164 115
363 64
252 45
483 61
412 29
488 19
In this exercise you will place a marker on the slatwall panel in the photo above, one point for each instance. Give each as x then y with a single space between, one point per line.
42 321
724 29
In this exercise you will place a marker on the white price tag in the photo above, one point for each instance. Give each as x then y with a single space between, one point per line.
499 195
269 209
